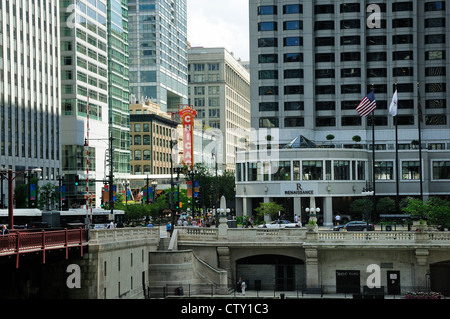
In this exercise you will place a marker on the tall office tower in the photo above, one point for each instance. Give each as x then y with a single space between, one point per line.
313 61
84 90
118 86
30 130
219 90
158 52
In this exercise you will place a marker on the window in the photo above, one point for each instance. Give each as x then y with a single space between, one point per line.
350 73
434 38
324 41
324 57
294 106
435 71
325 8
253 171
351 121
361 167
268 74
324 25
268 122
325 89
268 90
405 71
325 121
267 42
292 41
267 26
402 6
402 55
293 57
435 6
351 40
402 23
435 55
293 89
312 170
268 58
350 88
435 87
402 39
281 171
435 23
350 7
441 170
293 74
376 56
436 119
293 25
137 140
268 106
376 40
294 121
325 106
377 73
341 170
266 10
350 56
324 73
292 8
350 24
146 156
384 170
436 104
137 155
410 170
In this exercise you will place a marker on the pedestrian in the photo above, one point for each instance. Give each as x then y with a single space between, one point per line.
5 231
168 228
243 287
111 225
338 219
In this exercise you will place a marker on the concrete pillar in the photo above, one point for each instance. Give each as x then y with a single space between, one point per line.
312 268
297 207
239 206
328 211
422 268
267 218
225 261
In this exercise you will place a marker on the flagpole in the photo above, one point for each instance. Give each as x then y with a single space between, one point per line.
420 117
373 162
397 180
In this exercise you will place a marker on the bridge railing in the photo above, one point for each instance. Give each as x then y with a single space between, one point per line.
19 242
118 234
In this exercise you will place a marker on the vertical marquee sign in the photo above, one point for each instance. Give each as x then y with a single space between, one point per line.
187 115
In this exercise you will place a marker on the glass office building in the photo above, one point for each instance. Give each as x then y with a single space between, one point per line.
158 52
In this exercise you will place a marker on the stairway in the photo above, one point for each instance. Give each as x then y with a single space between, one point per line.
163 244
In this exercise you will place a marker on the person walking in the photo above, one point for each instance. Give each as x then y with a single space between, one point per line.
338 219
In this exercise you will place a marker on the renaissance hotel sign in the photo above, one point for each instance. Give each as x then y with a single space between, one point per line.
298 190
187 116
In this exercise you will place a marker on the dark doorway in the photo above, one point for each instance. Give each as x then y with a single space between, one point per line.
440 277
285 277
393 282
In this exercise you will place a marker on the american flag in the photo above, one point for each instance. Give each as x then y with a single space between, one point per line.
367 104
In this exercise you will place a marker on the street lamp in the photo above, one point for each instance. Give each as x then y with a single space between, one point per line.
312 213
10 176
154 185
60 178
367 191
215 191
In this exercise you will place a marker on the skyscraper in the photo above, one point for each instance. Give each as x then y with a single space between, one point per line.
30 130
158 52
311 64
84 90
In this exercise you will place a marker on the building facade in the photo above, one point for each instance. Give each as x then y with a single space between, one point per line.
219 90
311 63
158 52
30 127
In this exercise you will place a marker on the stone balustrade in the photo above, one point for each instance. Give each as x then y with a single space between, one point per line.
121 234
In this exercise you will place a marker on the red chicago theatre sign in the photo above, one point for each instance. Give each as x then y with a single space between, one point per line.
187 116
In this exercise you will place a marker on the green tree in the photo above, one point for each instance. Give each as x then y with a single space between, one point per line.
361 206
270 208
386 205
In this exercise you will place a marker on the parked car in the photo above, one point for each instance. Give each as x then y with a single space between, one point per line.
281 223
354 226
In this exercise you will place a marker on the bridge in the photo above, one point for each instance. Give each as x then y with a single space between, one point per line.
141 262
20 242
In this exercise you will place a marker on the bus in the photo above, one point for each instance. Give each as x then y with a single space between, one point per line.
35 218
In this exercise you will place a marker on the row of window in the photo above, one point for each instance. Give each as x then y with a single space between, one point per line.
273 90
317 170
349 7
350 73
328 121
352 40
347 105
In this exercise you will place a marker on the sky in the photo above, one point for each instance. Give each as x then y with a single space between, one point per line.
219 23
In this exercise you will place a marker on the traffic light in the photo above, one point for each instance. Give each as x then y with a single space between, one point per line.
77 180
